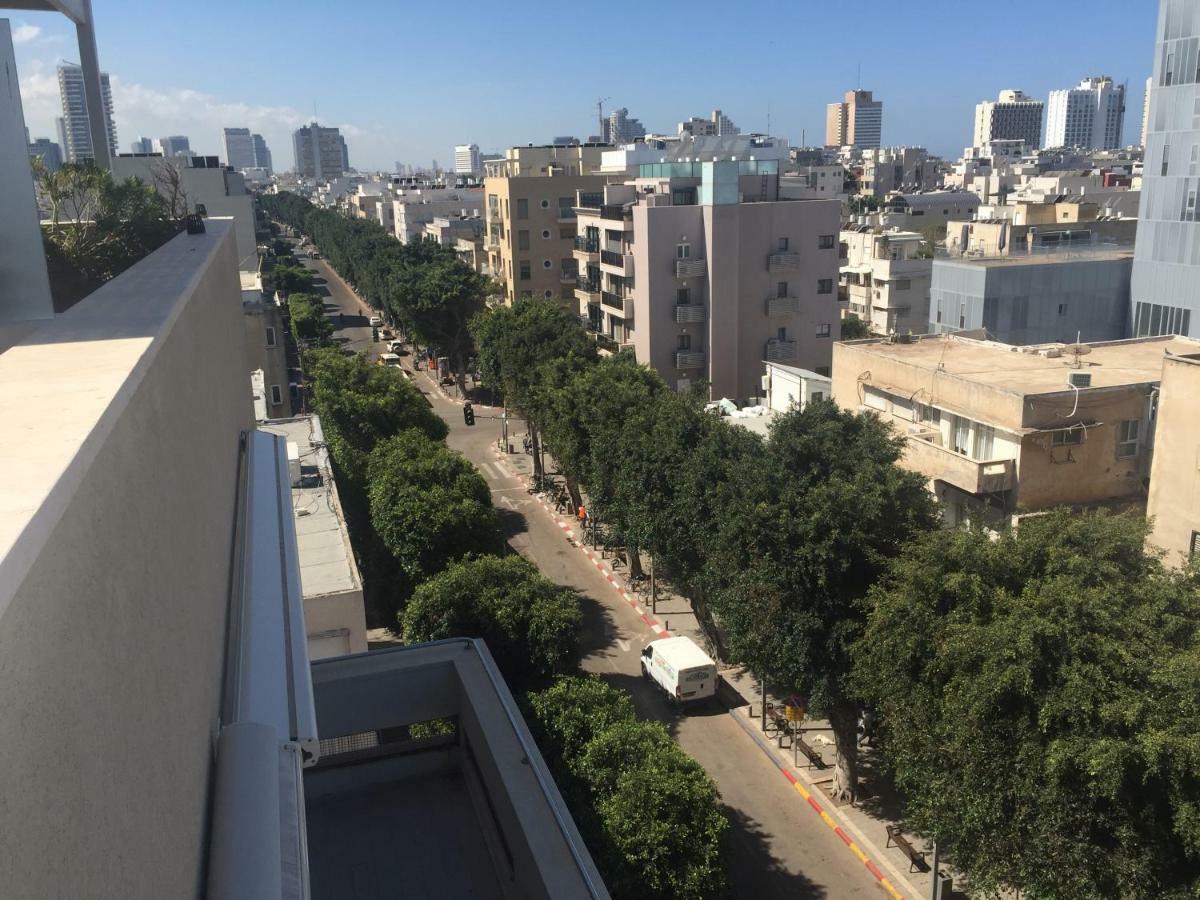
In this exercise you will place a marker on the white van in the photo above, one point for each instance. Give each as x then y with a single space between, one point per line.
680 668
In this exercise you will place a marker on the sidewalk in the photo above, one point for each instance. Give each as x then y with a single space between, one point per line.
862 825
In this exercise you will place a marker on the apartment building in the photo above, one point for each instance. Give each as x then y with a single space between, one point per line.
449 230
1013 116
530 216
1002 431
1091 115
857 121
410 209
466 160
885 277
1174 500
1165 296
75 136
704 272
622 128
1061 295
182 743
917 211
320 152
716 125
266 353
889 169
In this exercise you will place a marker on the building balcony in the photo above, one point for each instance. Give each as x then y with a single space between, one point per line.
690 268
566 215
587 290
924 453
778 307
568 276
780 351
612 212
690 313
689 359
783 262
613 258
607 344
612 301
587 251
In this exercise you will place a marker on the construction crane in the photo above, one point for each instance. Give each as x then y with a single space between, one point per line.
600 101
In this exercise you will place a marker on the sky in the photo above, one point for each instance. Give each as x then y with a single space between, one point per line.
408 87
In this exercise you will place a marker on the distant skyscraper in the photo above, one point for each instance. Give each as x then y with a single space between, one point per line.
320 152
855 122
239 148
1012 117
1146 111
175 145
466 159
76 134
621 128
49 153
716 124
142 145
1090 116
1165 290
262 156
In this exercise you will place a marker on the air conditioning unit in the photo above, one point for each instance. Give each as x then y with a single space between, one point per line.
1079 379
766 382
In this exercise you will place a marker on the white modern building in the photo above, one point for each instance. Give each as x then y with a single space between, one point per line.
1013 116
885 277
174 145
622 128
1165 292
239 148
717 124
76 134
1090 116
466 160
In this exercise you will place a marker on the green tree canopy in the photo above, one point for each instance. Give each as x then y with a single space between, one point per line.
854 328
307 314
805 534
447 296
429 506
1040 700
574 710
529 623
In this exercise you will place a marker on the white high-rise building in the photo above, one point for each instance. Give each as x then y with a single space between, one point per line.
621 128
466 160
1146 111
1090 116
1014 116
1165 288
239 148
76 135
174 145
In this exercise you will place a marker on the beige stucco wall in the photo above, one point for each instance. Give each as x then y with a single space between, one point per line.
336 612
1174 501
112 641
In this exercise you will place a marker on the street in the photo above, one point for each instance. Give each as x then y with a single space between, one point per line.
778 847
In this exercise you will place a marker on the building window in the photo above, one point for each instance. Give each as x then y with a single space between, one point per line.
522 240
547 293
522 209
781 289
826 241
1069 437
683 251
683 296
1062 309
781 334
545 233
824 285
960 432
276 395
902 284
566 233
823 331
781 245
816 397
525 275
1127 438
1194 547
683 342
874 399
271 342
1166 155
985 439
545 204
546 264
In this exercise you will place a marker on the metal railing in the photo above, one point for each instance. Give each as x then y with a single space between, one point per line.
612 258
583 283
781 351
613 301
689 313
783 306
689 268
689 359
783 262
585 244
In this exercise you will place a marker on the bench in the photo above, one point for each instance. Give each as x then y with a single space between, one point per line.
813 757
916 858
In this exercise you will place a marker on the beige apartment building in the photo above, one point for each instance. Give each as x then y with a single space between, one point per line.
884 278
855 122
530 215
704 272
1174 502
1002 431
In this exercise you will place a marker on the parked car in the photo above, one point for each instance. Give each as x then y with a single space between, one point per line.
684 671
376 322
395 346
389 359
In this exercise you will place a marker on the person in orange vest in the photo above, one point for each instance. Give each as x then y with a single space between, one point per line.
582 514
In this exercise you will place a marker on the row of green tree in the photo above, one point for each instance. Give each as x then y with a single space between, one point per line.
421 286
1038 694
650 813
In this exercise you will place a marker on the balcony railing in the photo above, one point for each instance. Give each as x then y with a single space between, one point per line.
612 258
925 453
689 359
781 351
604 342
783 262
589 200
783 306
689 312
689 268
587 286
613 301
584 244
566 214
609 211
568 277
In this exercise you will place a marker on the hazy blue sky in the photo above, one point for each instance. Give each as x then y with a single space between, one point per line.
407 81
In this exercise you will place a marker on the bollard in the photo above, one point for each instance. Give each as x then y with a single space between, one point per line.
666 624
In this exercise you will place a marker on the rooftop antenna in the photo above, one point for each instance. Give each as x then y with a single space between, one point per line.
600 101
768 118
859 88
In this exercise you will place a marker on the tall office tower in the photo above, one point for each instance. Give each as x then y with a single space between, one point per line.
142 145
466 160
320 152
175 145
855 122
76 136
1090 116
621 128
1014 116
239 148
49 153
1165 290
716 124
1146 111
262 155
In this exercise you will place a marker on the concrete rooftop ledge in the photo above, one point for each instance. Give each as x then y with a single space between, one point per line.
65 382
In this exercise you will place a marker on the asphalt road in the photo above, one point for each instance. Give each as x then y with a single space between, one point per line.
778 847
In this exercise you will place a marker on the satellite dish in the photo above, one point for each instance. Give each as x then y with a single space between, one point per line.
1077 350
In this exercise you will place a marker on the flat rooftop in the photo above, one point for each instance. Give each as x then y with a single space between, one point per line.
1025 370
326 560
1040 259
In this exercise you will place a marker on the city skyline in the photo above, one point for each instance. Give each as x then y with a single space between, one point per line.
925 106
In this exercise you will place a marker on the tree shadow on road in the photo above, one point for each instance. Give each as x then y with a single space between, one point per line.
595 631
753 869
512 522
